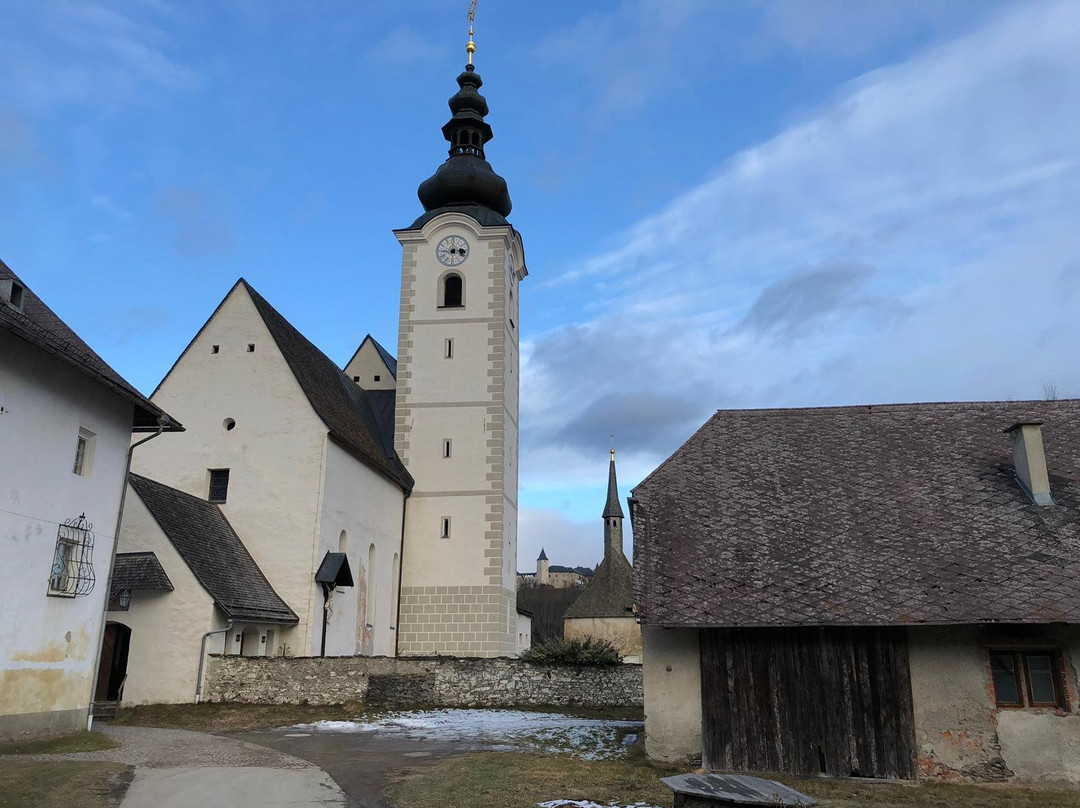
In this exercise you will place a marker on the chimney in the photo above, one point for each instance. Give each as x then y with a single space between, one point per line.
1030 461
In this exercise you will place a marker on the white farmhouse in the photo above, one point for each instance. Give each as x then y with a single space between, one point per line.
66 424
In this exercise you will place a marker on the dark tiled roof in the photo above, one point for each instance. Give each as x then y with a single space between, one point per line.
560 568
610 591
40 326
383 403
343 405
387 357
860 516
483 216
210 547
139 571
542 556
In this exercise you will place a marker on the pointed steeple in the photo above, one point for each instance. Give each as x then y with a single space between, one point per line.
466 181
612 508
542 556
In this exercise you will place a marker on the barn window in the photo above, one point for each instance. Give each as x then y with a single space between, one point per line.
219 485
452 292
1027 678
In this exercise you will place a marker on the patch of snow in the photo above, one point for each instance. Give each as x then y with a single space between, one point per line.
501 730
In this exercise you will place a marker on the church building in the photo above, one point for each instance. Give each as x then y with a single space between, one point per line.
313 509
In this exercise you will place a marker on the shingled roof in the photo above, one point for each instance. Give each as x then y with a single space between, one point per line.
214 553
609 592
879 515
347 409
139 571
40 326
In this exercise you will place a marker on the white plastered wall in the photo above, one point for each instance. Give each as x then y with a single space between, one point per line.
48 652
366 364
275 452
671 667
166 627
368 507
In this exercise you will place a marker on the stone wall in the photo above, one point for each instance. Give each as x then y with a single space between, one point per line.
428 682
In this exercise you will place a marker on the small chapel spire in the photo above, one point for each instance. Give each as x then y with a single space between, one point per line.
612 508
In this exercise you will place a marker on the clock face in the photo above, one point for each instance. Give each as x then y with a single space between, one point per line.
452 251
510 268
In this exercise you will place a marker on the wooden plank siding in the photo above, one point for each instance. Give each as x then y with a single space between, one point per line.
833 701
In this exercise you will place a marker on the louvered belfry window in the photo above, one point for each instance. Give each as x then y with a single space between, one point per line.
219 485
72 573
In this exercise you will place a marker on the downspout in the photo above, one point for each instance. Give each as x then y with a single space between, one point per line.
163 419
202 656
326 591
400 574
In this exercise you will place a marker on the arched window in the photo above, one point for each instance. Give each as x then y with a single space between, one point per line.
369 618
343 542
453 292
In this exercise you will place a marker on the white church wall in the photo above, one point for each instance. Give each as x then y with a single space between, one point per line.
166 627
48 655
368 507
367 364
274 452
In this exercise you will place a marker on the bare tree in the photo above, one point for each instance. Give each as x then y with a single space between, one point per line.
1050 391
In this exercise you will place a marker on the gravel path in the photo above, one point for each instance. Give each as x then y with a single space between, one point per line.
172 748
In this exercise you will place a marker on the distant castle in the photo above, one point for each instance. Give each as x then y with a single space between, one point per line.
554 575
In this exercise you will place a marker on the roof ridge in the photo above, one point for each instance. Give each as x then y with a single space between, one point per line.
896 406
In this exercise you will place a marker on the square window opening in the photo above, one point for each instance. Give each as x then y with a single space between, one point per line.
377 377
215 349
1027 678
251 347
356 379
219 485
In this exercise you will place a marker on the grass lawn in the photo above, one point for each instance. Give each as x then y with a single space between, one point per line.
522 781
77 742
219 717
62 784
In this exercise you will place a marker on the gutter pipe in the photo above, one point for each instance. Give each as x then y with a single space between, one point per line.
202 656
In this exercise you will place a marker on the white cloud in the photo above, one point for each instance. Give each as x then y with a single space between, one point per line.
951 180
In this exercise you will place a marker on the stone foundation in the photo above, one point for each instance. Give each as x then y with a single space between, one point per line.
409 683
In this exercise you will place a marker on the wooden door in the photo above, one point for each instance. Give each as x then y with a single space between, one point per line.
833 701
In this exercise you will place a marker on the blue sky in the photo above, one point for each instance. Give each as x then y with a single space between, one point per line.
724 204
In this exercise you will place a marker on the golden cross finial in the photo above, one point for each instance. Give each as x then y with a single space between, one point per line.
470 48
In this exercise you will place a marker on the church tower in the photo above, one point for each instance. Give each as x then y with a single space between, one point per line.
457 399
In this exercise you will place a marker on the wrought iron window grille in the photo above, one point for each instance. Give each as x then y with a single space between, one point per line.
72 573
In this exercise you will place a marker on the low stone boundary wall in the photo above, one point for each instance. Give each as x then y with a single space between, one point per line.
407 683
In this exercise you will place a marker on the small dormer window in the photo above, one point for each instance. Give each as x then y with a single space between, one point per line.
16 295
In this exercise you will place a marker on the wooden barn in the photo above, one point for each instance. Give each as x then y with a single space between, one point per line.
888 591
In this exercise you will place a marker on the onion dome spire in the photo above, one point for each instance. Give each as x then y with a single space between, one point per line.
466 180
